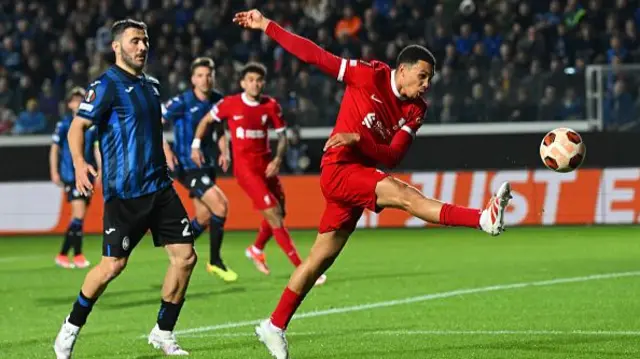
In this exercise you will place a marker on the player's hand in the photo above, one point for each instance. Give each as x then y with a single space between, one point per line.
341 139
252 19
273 168
223 162
197 156
83 184
172 159
55 178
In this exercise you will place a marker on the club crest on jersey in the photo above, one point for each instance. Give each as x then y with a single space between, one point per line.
90 96
125 243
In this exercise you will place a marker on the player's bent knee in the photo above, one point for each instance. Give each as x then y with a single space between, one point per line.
112 267
216 201
185 259
273 215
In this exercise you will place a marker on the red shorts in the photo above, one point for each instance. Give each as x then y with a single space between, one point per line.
264 192
348 189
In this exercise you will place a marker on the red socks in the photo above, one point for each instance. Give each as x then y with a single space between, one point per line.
285 242
452 215
264 233
287 306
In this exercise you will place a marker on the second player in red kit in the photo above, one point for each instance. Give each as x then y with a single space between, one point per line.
249 116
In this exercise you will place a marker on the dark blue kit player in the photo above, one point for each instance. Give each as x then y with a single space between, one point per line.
124 105
184 112
63 175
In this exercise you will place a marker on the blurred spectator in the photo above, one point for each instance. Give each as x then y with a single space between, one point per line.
297 159
350 23
619 108
571 107
7 119
490 49
31 120
549 105
48 100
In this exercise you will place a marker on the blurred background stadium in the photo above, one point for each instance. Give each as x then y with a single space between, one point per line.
508 72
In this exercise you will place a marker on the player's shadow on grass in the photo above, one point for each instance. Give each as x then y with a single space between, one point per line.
66 300
559 345
154 299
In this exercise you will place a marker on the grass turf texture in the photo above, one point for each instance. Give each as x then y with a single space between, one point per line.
376 266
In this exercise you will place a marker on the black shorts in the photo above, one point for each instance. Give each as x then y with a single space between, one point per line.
197 181
126 221
73 194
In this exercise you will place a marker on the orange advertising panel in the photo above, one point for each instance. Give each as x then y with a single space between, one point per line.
541 197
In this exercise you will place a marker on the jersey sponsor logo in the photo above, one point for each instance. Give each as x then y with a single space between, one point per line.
241 133
374 98
369 119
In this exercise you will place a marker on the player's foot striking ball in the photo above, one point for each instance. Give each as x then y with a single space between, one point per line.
381 110
185 111
124 105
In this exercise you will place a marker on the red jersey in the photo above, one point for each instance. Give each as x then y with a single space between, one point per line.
371 106
249 122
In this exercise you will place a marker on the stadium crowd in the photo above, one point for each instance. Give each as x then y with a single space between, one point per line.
499 60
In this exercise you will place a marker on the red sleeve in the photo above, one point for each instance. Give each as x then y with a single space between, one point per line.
306 50
220 110
388 155
276 117
391 155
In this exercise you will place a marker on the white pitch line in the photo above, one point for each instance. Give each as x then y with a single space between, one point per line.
441 333
421 298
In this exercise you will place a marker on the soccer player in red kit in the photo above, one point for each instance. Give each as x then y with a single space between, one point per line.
380 113
249 116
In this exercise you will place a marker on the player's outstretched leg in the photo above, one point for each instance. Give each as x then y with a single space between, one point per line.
94 285
255 251
323 253
217 204
183 259
394 193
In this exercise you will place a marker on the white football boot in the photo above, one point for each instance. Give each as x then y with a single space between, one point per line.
273 338
165 341
492 217
66 339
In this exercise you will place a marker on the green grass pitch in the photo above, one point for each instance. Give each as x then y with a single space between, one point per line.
428 293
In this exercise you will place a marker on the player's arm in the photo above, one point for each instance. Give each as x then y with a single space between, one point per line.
223 145
170 111
54 154
76 145
91 111
97 156
201 130
54 158
283 143
387 155
298 46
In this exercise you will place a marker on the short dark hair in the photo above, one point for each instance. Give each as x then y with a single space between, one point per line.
120 26
202 62
414 53
254 67
76 91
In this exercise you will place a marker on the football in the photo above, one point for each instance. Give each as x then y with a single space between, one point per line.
562 150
